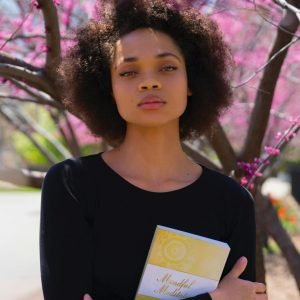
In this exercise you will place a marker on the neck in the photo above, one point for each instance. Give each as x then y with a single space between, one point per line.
155 152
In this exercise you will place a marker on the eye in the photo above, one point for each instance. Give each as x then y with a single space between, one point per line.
127 74
169 68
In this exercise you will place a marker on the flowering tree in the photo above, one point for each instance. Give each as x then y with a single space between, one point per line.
34 36
263 35
265 88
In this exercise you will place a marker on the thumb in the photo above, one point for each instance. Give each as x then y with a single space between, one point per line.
239 267
87 297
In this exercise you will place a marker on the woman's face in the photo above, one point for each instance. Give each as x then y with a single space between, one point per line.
149 80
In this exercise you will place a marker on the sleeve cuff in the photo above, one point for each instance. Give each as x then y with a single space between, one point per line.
205 296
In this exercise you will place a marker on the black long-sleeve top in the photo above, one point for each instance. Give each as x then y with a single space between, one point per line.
96 228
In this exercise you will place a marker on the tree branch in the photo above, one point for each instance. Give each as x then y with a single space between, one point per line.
263 102
32 78
23 86
36 100
23 177
18 28
220 143
52 34
270 158
196 155
38 96
33 36
22 127
71 139
10 60
279 234
284 4
273 23
285 48
43 132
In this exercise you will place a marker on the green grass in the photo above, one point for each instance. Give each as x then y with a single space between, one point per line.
19 189
273 248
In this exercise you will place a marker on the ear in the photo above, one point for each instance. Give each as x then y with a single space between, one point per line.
189 93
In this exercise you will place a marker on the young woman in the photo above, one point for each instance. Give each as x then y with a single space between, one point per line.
145 77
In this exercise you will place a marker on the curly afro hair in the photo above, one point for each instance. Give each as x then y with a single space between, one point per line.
85 71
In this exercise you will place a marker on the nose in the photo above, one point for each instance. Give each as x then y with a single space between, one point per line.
149 84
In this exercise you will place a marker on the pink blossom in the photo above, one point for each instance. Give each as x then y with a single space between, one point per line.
297 121
290 136
83 134
35 4
278 136
45 48
249 168
272 151
244 181
258 160
248 56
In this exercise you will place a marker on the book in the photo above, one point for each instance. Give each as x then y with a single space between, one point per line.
180 265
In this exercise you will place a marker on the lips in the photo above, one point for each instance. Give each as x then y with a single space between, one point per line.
151 101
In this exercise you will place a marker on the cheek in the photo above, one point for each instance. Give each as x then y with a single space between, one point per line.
180 90
123 99
119 93
180 82
180 93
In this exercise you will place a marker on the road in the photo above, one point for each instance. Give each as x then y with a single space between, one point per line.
19 245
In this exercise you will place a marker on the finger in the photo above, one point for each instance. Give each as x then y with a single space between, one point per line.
260 287
87 297
239 267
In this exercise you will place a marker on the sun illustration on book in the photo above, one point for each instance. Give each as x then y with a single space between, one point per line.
174 250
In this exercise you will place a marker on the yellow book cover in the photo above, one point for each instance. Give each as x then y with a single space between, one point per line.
180 265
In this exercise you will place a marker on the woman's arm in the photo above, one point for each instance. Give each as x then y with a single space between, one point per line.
241 234
65 237
231 287
238 278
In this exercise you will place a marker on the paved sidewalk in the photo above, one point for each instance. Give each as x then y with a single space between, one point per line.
19 246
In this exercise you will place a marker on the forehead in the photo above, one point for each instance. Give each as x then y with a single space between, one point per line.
144 42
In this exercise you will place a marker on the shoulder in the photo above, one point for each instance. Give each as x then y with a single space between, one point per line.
67 182
72 166
71 173
234 204
231 191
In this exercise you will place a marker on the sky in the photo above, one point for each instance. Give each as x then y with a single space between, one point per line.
8 6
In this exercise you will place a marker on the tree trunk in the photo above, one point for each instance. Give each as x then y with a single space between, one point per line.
278 233
260 241
24 177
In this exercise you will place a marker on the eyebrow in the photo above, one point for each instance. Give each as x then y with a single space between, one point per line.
161 55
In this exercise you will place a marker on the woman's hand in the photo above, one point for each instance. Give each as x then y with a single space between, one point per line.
233 288
87 297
